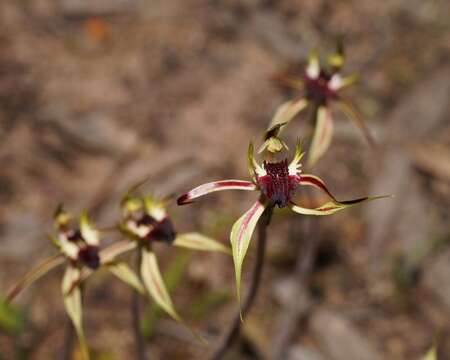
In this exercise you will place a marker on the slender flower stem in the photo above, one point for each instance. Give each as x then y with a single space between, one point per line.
235 329
69 337
135 313
301 302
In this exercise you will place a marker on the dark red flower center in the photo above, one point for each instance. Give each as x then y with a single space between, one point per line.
146 220
277 185
88 255
162 230
318 89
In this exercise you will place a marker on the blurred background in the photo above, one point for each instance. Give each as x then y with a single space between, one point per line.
96 95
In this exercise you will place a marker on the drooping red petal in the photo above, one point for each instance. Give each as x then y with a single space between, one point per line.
332 206
307 179
215 186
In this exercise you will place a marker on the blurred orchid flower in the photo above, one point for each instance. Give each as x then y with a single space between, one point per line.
79 248
277 183
431 354
321 87
146 221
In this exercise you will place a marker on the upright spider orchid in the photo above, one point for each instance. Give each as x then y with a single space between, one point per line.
145 222
321 87
79 248
276 182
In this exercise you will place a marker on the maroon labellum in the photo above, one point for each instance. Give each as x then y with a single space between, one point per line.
146 220
147 228
88 255
318 89
163 231
277 185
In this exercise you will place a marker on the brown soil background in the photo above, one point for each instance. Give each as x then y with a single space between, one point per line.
94 96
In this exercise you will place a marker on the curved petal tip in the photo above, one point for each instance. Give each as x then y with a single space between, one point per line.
183 200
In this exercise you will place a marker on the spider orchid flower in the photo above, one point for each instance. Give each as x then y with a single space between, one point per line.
145 222
277 183
321 87
78 246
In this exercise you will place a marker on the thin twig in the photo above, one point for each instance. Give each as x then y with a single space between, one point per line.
235 329
135 312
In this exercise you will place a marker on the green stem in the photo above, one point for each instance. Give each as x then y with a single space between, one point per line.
68 340
136 315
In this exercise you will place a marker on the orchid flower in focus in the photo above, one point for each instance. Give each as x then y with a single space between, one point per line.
276 183
321 87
